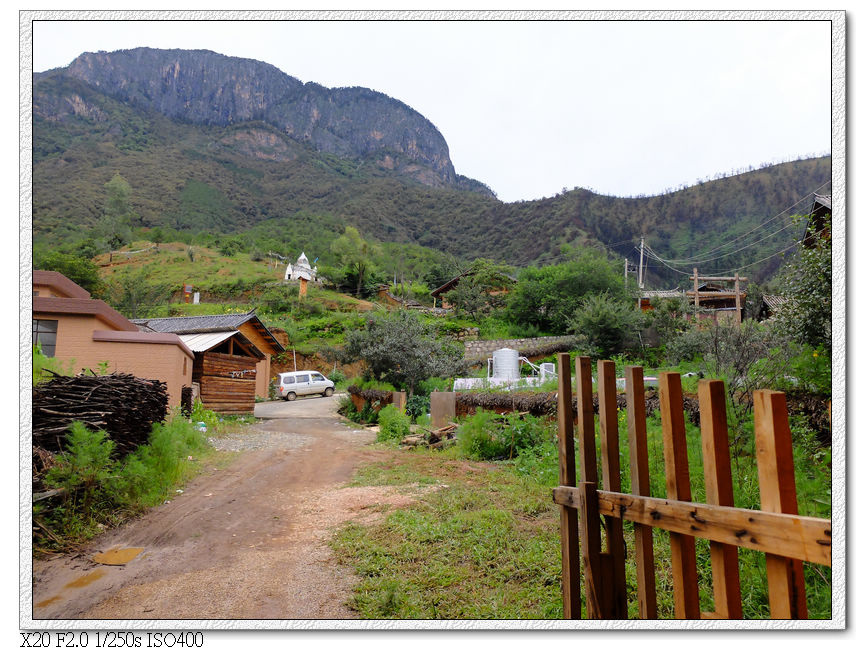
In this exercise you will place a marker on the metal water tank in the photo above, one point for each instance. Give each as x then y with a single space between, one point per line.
506 364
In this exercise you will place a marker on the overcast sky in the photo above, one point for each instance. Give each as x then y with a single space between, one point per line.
530 108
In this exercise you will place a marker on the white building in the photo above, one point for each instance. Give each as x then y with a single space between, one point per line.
301 269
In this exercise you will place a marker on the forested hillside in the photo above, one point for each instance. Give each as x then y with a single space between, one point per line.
246 171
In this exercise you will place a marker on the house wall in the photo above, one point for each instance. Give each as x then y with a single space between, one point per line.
86 340
262 375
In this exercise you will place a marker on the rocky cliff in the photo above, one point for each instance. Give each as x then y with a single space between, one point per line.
202 87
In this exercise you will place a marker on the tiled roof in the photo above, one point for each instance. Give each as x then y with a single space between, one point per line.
203 324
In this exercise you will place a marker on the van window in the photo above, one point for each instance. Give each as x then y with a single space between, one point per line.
317 377
288 380
302 379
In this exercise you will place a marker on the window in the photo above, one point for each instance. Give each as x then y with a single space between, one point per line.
317 377
45 333
288 380
303 379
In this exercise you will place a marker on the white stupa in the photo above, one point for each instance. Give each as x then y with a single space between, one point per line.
301 269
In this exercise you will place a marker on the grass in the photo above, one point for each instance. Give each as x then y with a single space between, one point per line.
486 543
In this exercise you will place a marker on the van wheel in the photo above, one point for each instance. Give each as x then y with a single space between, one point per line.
328 392
290 397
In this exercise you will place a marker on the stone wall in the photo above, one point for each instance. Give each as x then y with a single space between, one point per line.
540 346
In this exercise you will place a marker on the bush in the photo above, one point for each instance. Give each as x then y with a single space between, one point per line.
607 325
337 377
416 406
488 436
393 424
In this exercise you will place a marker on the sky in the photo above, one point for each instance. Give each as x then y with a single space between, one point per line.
534 107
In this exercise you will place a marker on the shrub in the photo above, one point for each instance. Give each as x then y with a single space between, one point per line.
488 436
337 377
607 325
417 405
393 424
475 438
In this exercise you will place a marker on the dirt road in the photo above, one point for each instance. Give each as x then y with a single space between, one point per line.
245 542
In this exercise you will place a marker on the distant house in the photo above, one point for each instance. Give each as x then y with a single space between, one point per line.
232 356
440 293
769 306
819 221
646 297
71 326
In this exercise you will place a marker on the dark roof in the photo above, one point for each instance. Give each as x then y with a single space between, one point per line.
453 282
824 200
821 212
202 324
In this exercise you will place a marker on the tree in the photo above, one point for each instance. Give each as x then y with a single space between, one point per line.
115 226
82 272
134 295
606 326
354 252
480 288
400 348
806 283
548 297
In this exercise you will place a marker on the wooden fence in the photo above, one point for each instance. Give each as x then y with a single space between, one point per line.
786 538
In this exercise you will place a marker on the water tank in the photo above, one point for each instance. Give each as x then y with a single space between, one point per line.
506 364
548 371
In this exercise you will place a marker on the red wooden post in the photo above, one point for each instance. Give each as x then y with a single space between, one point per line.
590 520
719 491
683 552
568 476
616 605
774 448
639 451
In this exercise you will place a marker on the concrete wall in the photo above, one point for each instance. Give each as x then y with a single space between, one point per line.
86 340
481 350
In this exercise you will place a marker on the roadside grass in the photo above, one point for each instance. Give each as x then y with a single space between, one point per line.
99 491
485 544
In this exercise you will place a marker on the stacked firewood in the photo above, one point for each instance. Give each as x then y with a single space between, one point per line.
123 406
434 439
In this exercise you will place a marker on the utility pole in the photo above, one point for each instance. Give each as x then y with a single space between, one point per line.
640 277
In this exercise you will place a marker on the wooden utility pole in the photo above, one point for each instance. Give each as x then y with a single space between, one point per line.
696 293
738 301
640 277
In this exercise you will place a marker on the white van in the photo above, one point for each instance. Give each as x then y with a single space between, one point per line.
302 382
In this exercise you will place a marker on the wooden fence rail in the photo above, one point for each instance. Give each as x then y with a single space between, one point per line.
587 510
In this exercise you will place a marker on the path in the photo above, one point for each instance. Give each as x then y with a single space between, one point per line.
245 542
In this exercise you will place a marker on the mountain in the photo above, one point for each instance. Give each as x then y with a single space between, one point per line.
220 144
206 88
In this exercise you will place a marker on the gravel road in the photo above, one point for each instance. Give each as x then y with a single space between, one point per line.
249 541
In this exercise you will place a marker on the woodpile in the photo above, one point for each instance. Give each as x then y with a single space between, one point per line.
123 406
437 439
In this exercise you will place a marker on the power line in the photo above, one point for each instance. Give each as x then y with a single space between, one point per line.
689 260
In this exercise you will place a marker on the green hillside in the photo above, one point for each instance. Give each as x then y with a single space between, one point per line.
252 178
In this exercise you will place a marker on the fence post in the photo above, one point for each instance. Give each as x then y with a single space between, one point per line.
568 476
590 520
616 605
443 408
774 447
719 491
683 552
647 598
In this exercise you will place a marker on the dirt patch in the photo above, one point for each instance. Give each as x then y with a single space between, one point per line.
246 542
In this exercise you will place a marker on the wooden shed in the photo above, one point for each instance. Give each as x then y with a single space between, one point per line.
225 370
232 357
